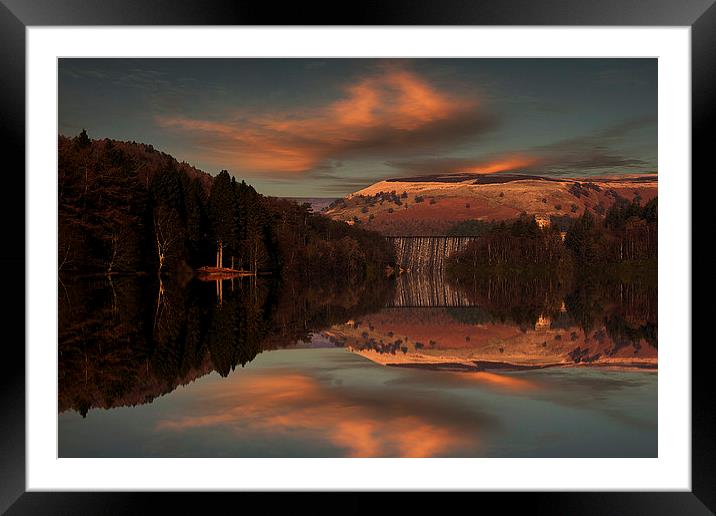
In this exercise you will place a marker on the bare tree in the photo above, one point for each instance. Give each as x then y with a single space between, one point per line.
123 247
114 240
66 247
166 233
162 307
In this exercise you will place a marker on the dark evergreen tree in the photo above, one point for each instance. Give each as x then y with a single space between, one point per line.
196 220
223 217
82 140
584 239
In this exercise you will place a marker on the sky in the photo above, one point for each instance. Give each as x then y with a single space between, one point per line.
309 127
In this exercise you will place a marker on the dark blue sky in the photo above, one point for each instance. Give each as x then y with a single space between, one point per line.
327 127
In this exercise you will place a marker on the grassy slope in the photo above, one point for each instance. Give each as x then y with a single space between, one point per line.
445 203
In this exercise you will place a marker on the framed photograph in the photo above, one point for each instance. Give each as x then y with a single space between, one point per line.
413 250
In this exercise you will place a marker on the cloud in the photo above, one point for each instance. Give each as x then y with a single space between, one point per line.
83 73
602 139
489 165
602 160
160 90
394 111
594 152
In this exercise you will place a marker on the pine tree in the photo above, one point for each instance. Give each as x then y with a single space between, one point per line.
222 216
195 204
82 140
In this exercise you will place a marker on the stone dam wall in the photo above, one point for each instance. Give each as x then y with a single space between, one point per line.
426 253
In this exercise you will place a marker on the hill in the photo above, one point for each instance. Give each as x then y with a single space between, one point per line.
317 204
431 205
124 207
147 160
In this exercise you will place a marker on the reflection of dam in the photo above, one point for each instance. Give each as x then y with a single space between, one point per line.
426 289
426 253
424 258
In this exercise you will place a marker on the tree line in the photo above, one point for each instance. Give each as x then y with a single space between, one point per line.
520 244
126 207
626 234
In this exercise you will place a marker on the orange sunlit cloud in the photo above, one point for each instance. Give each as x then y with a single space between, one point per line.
494 164
393 109
507 164
294 404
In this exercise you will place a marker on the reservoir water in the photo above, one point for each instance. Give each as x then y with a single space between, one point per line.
415 367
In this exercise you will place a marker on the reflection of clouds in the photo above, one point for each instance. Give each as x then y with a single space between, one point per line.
512 383
600 391
365 426
599 381
595 391
499 382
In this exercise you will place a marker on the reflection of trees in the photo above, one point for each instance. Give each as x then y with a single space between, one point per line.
299 311
101 347
168 330
138 337
519 299
626 308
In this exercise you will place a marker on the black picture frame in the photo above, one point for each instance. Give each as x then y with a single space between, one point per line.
17 15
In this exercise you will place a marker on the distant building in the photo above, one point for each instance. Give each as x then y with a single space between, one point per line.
542 221
543 323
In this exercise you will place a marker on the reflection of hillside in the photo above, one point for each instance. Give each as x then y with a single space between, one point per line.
127 341
526 323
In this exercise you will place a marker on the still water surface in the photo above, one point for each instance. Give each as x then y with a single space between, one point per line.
152 370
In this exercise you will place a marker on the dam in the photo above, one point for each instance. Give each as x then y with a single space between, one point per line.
426 253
